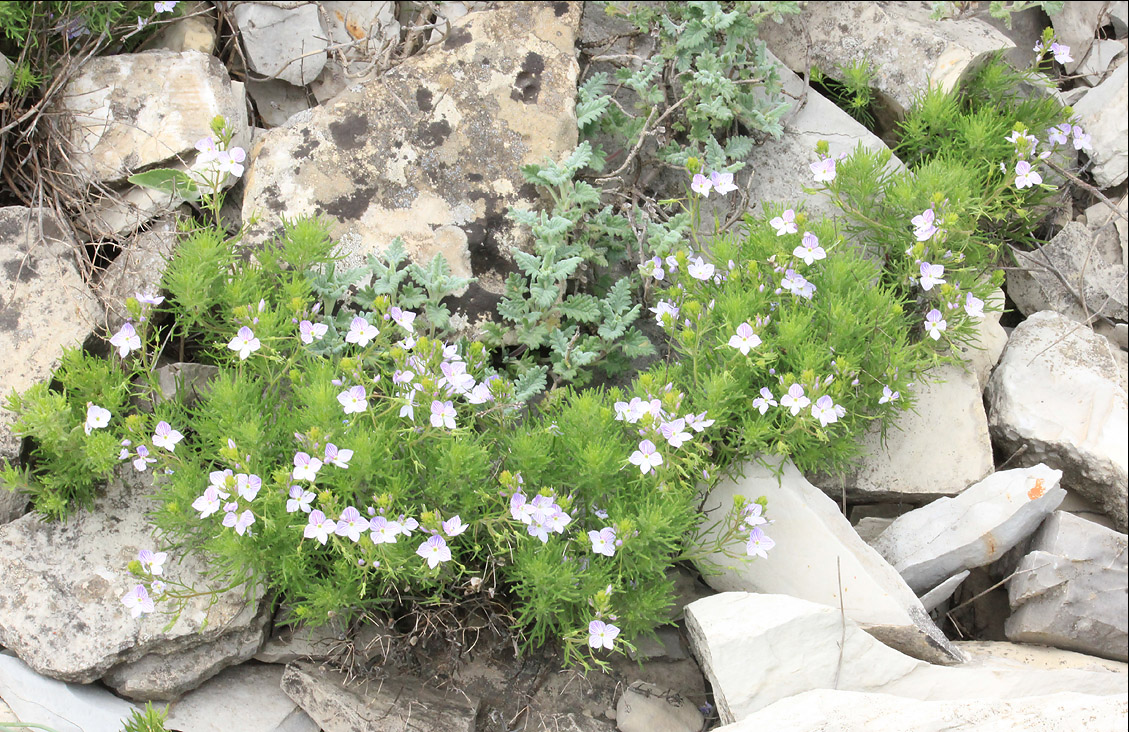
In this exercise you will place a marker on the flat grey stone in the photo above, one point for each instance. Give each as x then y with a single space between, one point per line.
1070 591
250 693
60 601
1104 113
932 599
287 43
64 707
930 544
644 707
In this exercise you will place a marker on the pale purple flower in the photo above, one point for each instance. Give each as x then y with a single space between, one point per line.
455 378
403 318
1026 176
754 515
137 601
785 223
300 499
646 457
1058 135
351 524
222 479
208 503
664 307
96 417
824 170
722 182
361 332
383 531
521 509
409 408
602 635
442 414
603 541
745 339
240 523
764 401
453 526
653 267
699 269
973 305
824 411
809 249
888 395
158 587
141 462
306 467
935 324
248 486
208 150
701 185
931 274
435 551
147 299
1080 139
481 393
794 400
337 456
406 525
698 422
557 520
759 544
164 6
244 343
354 400
319 527
924 226
152 562
675 432
1061 53
126 340
166 437
309 332
231 161
797 284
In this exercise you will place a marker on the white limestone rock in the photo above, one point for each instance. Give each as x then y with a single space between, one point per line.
758 649
932 599
60 601
932 543
1104 113
1057 391
138 268
817 552
287 43
35 699
646 707
132 111
827 710
938 449
1070 591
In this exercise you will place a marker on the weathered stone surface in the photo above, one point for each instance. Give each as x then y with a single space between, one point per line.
781 167
192 377
378 705
250 693
432 151
1100 217
927 51
165 676
1101 57
44 307
60 602
942 592
277 101
286 43
646 707
131 111
137 269
1024 655
827 710
983 352
804 566
192 33
1075 26
1057 392
373 23
938 449
1070 591
62 707
1088 259
1104 113
758 649
326 642
976 528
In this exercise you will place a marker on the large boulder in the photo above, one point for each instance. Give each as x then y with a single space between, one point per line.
60 601
759 649
818 557
432 151
835 35
1057 394
950 535
1104 113
45 306
1070 590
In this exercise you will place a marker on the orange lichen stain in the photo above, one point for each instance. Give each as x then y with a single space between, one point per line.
1037 490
